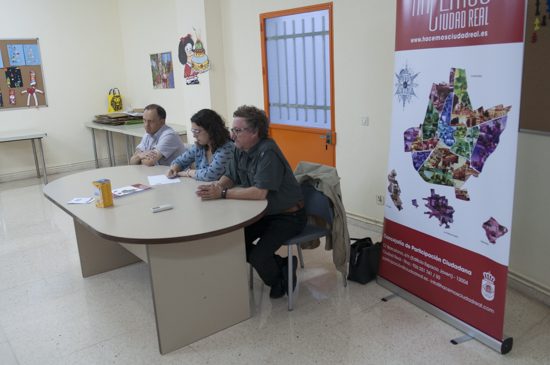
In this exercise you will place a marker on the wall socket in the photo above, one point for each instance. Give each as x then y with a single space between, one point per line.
380 199
365 121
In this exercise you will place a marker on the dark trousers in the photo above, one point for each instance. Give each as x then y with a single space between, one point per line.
272 231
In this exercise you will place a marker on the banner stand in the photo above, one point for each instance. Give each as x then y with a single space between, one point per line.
503 346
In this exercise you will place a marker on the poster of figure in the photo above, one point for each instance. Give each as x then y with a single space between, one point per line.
16 55
162 70
13 77
192 56
32 54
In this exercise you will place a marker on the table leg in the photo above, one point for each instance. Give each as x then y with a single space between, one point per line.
35 158
199 288
95 149
129 152
43 161
98 254
112 149
107 136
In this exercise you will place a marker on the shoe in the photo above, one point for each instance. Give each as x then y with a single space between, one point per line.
285 274
277 290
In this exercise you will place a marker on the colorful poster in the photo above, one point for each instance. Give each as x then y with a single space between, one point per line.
452 158
16 55
13 77
193 57
32 54
162 70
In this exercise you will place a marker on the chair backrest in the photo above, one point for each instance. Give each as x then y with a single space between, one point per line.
316 203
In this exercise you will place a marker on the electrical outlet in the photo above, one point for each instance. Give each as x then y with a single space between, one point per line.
365 121
380 199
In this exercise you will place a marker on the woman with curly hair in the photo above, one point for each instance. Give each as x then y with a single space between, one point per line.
212 150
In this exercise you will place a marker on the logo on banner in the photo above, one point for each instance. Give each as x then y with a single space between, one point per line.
405 85
488 286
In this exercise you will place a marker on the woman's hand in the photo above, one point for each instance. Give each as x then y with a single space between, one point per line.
173 172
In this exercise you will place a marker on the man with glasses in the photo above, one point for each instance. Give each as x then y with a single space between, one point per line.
259 170
161 144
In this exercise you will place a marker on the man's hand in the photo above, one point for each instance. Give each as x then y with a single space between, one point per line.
210 191
151 157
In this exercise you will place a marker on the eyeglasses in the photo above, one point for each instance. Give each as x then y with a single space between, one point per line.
238 131
196 131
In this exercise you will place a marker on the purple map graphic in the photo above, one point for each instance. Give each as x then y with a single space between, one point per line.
454 141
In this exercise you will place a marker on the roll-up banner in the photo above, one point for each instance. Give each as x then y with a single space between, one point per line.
450 184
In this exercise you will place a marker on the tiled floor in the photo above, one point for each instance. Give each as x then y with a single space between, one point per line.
49 314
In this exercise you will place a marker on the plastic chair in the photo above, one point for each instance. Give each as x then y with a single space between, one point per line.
318 205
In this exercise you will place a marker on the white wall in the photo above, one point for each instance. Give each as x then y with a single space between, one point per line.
149 27
530 251
80 49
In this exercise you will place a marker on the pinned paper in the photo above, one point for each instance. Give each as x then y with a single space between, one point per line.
16 55
13 77
31 91
12 97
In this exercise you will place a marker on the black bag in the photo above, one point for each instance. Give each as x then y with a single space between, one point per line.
364 260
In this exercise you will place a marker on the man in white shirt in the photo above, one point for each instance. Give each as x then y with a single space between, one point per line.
160 144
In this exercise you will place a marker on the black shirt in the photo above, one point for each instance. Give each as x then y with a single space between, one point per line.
265 167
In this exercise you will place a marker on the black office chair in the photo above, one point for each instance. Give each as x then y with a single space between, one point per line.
318 205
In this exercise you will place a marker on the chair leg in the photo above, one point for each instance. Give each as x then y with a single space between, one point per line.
289 268
300 256
345 279
251 277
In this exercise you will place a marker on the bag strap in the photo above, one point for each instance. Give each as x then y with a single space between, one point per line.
116 91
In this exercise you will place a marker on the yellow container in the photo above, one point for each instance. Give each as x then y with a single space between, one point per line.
103 193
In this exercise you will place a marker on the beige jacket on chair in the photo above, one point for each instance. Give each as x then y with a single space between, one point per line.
326 180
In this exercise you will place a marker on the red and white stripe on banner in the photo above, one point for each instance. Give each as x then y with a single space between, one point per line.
451 170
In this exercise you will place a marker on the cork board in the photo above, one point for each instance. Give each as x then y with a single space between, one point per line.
21 77
535 93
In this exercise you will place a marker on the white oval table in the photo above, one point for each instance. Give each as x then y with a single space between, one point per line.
195 252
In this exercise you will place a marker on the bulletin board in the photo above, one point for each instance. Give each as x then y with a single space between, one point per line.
535 91
21 77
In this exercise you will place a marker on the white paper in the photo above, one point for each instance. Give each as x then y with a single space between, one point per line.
83 200
161 179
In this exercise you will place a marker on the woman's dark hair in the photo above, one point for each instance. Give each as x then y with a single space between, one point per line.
160 110
214 125
255 119
181 49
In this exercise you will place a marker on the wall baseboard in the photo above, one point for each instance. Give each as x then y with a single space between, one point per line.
529 287
372 224
84 165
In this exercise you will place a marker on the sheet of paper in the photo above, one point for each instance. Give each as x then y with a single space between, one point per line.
126 190
161 179
83 200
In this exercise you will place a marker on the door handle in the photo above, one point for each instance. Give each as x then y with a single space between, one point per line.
328 138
